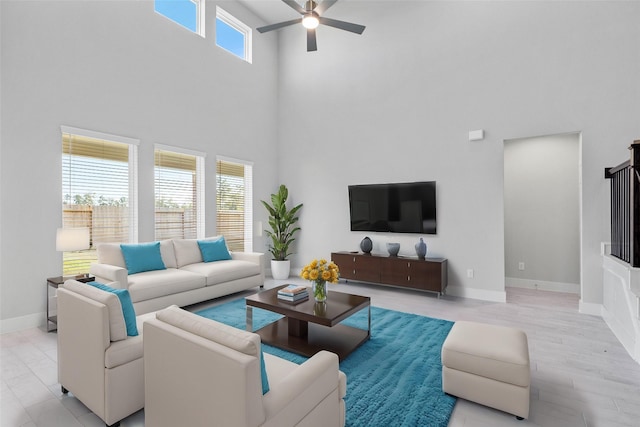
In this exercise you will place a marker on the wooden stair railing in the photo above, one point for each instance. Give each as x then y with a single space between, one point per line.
625 207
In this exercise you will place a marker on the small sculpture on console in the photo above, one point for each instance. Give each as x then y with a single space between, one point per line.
421 249
366 245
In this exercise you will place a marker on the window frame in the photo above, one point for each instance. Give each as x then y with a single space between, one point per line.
132 175
248 199
200 185
239 26
200 17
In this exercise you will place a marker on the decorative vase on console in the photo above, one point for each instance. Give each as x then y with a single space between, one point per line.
393 248
366 245
421 249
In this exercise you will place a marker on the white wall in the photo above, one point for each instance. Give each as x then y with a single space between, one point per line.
120 68
542 212
397 103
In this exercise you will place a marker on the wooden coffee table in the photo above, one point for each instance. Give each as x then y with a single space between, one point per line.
308 327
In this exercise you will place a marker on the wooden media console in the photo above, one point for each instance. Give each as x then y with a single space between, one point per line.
429 274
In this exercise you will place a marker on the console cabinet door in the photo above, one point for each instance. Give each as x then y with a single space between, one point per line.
425 275
395 271
346 264
367 268
357 267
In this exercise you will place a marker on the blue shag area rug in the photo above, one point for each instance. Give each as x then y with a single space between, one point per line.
393 379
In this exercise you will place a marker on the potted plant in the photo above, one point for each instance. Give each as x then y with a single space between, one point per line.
283 229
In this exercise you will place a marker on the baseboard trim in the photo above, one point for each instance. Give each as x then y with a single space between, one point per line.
474 293
514 282
21 323
590 308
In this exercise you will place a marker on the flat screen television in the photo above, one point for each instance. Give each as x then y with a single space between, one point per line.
408 207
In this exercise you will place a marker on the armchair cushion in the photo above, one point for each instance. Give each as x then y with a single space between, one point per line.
117 325
141 257
128 311
125 351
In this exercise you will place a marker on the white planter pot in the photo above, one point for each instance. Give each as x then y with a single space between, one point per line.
280 269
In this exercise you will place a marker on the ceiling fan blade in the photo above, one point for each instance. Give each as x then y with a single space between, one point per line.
347 26
296 6
311 40
322 7
278 25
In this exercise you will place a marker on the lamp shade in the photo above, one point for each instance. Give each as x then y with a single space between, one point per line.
72 239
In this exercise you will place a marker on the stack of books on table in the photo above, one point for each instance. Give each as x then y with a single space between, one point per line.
293 293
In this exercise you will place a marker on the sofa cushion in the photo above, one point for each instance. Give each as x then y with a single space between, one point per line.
117 326
159 283
236 339
187 251
141 257
111 253
224 271
168 253
214 250
128 311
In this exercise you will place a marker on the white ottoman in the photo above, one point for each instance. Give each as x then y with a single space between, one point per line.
488 364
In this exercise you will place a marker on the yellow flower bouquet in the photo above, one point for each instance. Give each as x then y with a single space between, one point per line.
319 273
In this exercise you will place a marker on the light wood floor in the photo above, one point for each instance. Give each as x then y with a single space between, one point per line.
581 374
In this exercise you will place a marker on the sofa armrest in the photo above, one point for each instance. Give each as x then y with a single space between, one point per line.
255 257
106 273
83 337
303 389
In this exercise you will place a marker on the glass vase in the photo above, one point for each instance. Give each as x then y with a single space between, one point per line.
320 290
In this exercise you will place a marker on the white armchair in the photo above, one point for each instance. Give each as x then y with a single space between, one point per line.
199 372
97 361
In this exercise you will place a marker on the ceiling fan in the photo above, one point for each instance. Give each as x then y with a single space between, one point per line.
311 18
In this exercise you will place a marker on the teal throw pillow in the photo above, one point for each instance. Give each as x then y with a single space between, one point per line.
263 373
214 250
142 257
128 311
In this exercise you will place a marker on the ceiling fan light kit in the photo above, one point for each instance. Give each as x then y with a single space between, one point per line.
311 18
310 22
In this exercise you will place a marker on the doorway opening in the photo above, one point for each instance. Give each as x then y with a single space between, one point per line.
542 220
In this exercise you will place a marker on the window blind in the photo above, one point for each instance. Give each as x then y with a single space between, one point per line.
234 195
178 195
97 192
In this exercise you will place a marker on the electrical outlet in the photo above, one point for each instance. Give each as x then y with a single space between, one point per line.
521 266
470 273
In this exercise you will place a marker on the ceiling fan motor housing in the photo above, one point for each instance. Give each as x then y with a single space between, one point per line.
310 5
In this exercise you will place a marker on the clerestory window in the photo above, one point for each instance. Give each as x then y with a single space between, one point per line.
233 35
187 13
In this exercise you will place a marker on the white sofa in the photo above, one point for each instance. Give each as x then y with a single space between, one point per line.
186 279
97 361
199 372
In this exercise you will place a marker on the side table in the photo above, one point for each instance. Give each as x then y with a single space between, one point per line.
53 283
